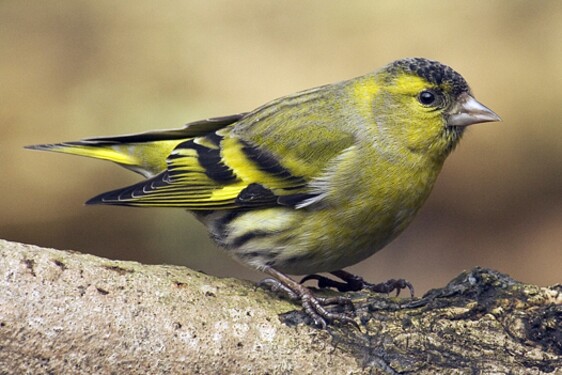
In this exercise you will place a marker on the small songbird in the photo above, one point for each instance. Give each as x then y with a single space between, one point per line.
311 182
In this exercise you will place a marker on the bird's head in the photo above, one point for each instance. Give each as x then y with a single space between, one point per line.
426 105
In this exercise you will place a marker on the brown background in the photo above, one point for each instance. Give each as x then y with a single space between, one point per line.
74 69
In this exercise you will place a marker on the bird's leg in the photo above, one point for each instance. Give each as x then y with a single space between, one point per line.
353 283
313 306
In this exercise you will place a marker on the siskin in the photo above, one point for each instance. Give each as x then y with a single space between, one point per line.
310 182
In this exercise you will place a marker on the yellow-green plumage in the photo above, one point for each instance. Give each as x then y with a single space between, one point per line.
311 182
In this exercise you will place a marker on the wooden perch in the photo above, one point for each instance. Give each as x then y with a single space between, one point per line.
63 312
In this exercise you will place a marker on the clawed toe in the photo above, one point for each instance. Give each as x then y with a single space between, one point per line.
315 309
391 285
313 306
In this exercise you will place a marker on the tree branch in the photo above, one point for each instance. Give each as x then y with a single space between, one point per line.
66 312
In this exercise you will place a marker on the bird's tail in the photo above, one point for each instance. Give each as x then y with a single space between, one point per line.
146 158
145 153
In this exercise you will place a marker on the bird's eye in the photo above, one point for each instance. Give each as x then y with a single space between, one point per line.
427 97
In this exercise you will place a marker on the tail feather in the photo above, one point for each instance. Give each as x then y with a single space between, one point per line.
82 148
147 159
144 153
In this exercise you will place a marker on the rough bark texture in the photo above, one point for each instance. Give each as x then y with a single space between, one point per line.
63 312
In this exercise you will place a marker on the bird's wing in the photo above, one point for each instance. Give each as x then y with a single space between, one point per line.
217 171
261 160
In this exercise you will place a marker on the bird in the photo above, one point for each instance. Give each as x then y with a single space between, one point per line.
311 182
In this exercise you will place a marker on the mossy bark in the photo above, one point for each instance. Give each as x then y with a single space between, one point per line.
63 312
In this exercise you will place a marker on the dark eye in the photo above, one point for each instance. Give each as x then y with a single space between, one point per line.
427 97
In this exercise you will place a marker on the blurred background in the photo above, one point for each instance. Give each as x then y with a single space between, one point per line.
75 69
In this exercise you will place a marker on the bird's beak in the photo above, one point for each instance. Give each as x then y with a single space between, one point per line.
468 111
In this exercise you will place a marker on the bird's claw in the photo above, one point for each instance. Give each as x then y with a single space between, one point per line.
391 285
312 305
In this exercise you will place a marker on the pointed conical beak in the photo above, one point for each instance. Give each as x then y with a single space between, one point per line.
470 111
